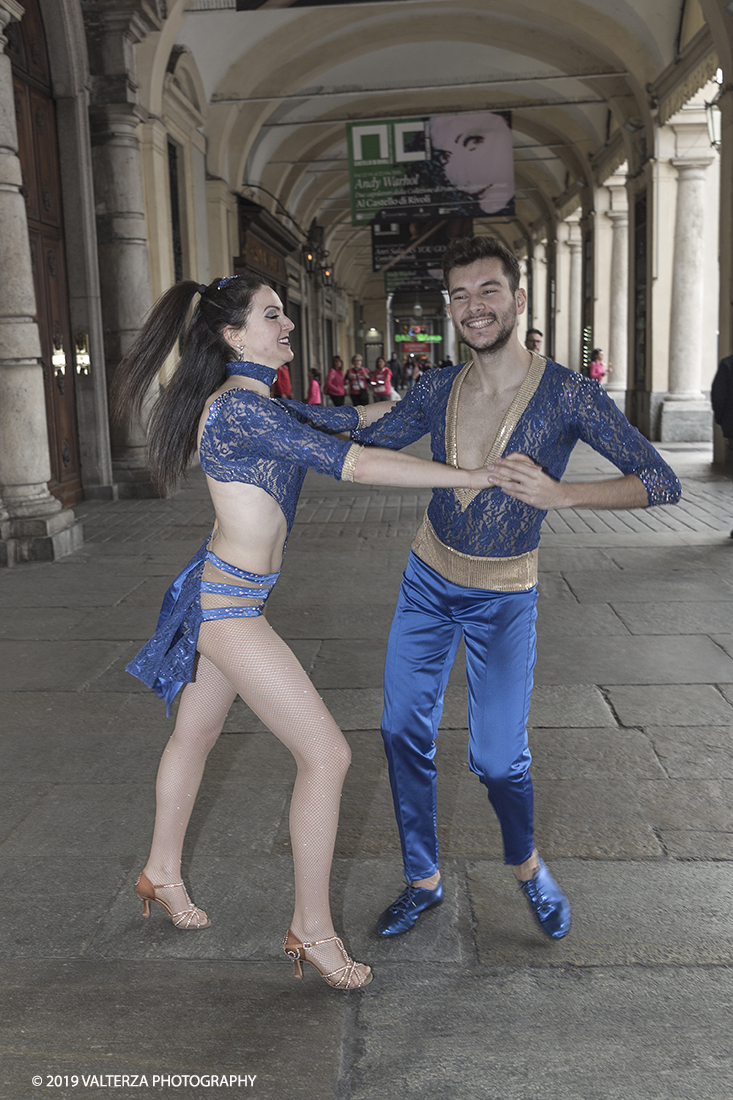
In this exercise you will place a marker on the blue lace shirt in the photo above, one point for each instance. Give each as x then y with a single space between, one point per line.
564 408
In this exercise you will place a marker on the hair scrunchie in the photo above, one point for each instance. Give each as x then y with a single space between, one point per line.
202 288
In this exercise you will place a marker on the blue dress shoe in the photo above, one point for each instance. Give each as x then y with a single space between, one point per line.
548 903
403 913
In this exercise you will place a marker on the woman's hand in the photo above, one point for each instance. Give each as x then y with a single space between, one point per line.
519 477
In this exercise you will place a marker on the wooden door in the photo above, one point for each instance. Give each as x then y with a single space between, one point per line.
39 158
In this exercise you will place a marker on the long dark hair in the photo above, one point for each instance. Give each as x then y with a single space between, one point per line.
173 422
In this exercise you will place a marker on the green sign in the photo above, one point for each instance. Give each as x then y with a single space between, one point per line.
431 338
380 167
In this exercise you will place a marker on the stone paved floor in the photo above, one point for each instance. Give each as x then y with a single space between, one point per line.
631 732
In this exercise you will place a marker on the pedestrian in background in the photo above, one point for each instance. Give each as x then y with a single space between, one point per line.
413 373
335 386
721 396
357 377
381 380
533 340
597 369
314 388
395 366
282 386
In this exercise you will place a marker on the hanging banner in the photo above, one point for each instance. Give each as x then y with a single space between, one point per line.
415 246
254 5
409 282
444 166
411 253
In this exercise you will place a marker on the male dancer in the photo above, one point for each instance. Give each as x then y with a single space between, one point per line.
473 567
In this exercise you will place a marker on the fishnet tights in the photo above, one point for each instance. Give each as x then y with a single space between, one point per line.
247 657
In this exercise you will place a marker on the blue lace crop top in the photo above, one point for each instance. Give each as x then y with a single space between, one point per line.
271 444
563 408
247 438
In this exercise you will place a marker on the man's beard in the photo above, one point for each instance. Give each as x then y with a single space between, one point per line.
506 322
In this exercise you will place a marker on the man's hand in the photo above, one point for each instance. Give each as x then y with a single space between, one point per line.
524 480
519 477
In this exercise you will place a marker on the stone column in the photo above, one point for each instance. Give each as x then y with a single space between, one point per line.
155 175
618 344
32 523
575 294
725 245
221 210
113 30
685 414
539 288
389 328
449 333
524 265
124 268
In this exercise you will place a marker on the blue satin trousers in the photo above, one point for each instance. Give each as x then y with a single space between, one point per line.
499 631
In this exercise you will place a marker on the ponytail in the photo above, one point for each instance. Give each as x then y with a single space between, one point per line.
173 423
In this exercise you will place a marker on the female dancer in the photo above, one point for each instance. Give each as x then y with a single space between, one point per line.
212 634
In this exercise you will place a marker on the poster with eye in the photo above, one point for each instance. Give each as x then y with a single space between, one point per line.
445 166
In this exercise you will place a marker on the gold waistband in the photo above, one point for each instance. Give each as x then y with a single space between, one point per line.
517 574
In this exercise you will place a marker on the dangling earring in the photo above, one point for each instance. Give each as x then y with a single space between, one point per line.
240 350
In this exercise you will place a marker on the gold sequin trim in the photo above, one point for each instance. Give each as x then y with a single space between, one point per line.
513 414
517 574
352 457
361 412
451 416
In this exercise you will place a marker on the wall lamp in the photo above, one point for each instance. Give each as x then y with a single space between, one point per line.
712 114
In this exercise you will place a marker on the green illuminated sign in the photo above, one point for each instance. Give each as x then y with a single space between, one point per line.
429 338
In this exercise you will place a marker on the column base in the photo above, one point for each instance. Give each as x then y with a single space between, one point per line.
720 448
643 411
619 398
133 482
40 538
685 421
102 492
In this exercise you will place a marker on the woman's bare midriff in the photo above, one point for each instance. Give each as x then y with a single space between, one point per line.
250 528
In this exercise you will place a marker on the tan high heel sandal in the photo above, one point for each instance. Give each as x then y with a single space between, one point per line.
188 918
337 979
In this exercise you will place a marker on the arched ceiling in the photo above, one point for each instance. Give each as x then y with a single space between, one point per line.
282 82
